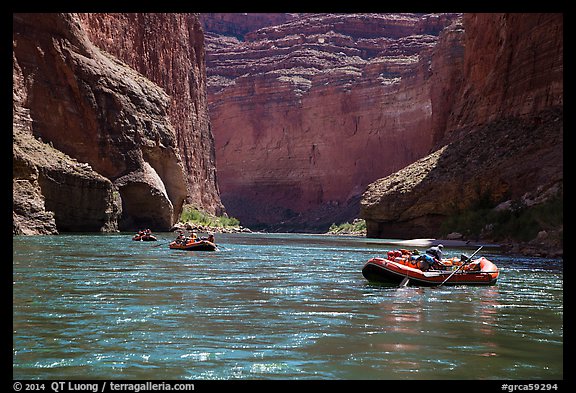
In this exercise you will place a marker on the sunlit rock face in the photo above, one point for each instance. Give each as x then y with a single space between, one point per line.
307 113
93 145
168 49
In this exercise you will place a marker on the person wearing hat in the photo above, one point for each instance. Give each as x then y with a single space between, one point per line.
431 259
436 251
180 238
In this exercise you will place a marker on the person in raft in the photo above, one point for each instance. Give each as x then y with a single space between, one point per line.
210 238
431 259
181 238
436 252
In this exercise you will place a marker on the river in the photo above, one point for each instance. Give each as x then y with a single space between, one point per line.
271 306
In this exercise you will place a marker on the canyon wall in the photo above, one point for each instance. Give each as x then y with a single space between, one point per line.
501 137
307 113
94 146
168 49
513 67
241 23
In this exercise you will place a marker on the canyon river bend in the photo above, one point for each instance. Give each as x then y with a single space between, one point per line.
271 306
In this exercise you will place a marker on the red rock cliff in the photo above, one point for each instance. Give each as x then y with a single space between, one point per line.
513 67
500 133
307 113
93 146
168 48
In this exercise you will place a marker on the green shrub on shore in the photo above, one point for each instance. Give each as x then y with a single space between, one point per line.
356 226
194 216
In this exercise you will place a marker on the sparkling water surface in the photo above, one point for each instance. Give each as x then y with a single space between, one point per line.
271 306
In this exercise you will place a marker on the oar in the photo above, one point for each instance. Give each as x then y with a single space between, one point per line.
469 259
404 283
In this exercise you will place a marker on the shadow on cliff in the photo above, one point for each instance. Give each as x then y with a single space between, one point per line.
510 165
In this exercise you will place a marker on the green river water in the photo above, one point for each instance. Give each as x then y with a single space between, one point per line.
271 306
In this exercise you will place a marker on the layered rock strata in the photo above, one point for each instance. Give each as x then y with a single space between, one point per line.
168 49
307 113
523 161
93 146
239 24
501 139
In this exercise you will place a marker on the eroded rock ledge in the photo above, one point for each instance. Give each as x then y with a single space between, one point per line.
474 170
93 148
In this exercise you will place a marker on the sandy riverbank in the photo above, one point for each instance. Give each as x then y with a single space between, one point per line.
410 243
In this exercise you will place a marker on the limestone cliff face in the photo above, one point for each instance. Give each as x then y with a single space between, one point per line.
307 113
501 133
93 146
168 49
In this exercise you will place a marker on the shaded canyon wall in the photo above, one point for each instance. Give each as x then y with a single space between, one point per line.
513 67
168 49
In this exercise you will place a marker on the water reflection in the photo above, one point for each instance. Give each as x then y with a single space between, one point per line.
448 333
281 306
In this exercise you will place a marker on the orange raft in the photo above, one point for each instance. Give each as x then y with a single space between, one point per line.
144 237
478 272
191 245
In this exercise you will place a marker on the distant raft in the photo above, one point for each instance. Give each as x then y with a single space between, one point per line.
398 269
146 237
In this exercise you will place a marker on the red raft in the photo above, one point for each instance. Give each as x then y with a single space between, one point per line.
144 237
478 272
191 245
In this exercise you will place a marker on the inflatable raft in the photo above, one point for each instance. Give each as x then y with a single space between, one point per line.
480 271
145 237
191 245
